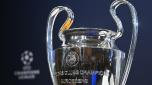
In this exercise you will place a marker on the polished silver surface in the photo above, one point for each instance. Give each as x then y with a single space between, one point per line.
89 56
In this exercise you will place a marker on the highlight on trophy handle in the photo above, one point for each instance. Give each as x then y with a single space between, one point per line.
120 30
51 20
50 23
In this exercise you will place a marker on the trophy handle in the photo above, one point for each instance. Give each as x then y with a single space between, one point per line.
113 8
51 19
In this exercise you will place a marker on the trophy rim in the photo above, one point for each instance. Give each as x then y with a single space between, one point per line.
89 32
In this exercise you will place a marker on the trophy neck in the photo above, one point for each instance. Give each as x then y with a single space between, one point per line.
88 37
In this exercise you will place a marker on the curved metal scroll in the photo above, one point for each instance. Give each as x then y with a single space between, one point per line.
50 24
113 8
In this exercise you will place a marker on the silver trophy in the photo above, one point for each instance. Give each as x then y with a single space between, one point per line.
89 56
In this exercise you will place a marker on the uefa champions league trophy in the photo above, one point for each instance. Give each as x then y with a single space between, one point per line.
89 56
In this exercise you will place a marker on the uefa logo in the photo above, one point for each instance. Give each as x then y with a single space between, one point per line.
27 72
72 58
27 57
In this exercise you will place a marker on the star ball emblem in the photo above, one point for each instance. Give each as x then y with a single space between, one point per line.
27 57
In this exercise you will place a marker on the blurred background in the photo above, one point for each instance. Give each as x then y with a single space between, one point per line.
24 33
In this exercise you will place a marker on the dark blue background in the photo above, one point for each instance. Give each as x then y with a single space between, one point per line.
24 28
